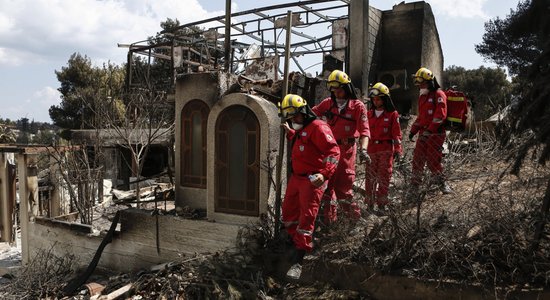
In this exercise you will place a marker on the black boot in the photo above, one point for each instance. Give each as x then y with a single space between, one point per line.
295 270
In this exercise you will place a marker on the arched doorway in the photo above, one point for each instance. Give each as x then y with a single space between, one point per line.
194 117
237 162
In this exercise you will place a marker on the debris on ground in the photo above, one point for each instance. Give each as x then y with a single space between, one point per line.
481 235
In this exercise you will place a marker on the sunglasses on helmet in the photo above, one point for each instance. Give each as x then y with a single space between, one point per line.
288 112
333 85
374 92
418 80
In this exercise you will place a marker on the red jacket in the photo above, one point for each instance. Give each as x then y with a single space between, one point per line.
432 112
385 128
352 122
315 150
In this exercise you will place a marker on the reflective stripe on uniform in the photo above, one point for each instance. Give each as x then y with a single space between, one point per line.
289 223
437 120
331 159
457 120
304 232
455 98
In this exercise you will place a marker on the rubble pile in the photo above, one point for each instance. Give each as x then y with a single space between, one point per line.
481 235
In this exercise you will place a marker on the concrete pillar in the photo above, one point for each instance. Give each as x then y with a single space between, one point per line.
358 68
55 195
6 210
28 197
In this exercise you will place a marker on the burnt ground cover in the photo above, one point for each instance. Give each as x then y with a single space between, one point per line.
481 235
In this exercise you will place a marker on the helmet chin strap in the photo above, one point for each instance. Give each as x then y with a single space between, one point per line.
341 101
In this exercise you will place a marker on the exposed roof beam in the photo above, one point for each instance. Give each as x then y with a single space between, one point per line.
251 11
309 9
252 36
292 30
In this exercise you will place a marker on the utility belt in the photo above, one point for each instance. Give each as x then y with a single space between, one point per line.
440 129
346 141
382 142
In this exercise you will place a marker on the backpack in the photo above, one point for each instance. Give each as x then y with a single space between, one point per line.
457 110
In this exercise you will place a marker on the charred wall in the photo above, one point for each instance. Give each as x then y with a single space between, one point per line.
408 40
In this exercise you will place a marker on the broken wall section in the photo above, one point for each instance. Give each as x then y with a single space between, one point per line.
134 245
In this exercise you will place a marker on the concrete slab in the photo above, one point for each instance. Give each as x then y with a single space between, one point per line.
10 259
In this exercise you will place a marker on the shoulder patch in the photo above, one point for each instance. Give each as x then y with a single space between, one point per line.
440 100
363 117
329 137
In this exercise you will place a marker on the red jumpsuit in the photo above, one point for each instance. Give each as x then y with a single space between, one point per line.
432 112
384 143
346 125
314 151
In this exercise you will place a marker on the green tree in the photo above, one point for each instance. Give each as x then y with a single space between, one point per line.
45 137
488 88
527 30
23 125
156 73
77 75
84 87
507 42
521 42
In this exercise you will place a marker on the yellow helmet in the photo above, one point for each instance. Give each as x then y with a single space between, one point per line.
379 89
423 74
336 79
291 105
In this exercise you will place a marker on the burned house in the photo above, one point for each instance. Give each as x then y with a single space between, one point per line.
117 163
226 81
224 137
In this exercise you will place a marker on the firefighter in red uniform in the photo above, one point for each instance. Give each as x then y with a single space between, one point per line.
384 146
432 112
314 159
347 118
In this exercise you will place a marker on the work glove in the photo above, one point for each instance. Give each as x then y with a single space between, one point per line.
317 179
364 156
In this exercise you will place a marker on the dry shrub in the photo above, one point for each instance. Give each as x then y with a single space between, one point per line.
482 234
43 277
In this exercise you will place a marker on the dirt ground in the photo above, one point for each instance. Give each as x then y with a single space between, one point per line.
482 235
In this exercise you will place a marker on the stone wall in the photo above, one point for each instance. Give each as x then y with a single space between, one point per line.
134 245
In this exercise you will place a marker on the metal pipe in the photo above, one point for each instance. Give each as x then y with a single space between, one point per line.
279 166
227 34
287 51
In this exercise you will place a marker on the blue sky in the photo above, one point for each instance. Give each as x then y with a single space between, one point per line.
37 37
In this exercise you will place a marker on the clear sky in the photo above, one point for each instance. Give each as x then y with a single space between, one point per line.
37 37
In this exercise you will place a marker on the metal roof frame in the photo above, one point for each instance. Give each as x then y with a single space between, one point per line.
251 27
